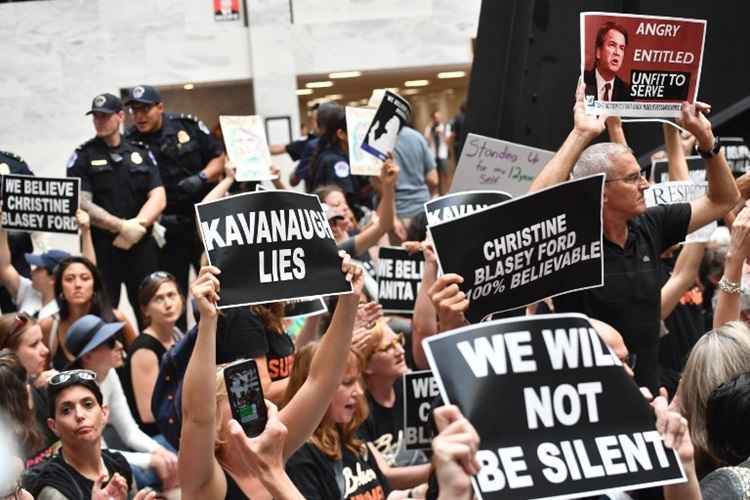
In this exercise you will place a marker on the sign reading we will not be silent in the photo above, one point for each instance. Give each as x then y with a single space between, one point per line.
578 424
487 163
271 246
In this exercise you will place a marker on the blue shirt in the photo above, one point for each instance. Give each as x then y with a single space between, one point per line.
416 160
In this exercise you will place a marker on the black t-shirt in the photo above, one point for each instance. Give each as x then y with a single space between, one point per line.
62 477
280 356
239 336
354 477
630 299
384 430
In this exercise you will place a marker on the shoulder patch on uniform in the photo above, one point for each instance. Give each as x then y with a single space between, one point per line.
151 155
341 168
72 159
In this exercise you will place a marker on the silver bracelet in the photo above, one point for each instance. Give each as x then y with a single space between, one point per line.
729 287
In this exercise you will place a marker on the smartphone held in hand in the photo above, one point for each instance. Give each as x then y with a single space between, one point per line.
246 396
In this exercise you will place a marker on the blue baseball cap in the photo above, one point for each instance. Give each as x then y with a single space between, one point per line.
88 333
145 94
48 260
105 103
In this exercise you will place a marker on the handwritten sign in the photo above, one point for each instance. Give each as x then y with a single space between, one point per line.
357 124
488 163
245 139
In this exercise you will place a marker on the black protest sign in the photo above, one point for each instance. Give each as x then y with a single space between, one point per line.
696 169
420 390
523 250
399 276
737 154
392 114
454 205
270 246
45 204
557 414
303 308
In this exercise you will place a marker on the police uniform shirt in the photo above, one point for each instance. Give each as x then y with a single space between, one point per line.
13 164
118 178
333 168
183 146
630 299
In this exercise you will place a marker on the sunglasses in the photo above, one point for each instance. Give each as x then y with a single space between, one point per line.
399 340
72 375
19 326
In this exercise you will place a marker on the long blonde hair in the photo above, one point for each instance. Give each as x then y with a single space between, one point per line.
718 356
330 437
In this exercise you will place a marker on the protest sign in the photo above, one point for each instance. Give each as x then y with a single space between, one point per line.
382 134
523 250
399 276
226 10
304 308
488 163
737 154
668 193
45 204
642 66
454 205
570 423
270 246
420 389
245 139
357 124
696 169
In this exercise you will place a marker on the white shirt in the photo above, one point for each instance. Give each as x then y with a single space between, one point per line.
123 422
28 299
600 83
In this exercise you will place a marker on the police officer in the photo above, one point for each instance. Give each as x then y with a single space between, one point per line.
190 160
121 189
20 243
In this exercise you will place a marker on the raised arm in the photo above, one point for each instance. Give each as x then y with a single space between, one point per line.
200 473
722 192
87 243
586 128
9 277
305 410
615 130
154 206
386 209
424 322
222 187
728 292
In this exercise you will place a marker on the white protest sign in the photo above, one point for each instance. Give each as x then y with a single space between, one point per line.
488 163
357 124
245 139
668 193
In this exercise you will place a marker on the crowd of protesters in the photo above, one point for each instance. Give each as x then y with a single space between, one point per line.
86 396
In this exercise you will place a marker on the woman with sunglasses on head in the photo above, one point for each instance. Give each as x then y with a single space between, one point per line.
79 290
22 334
92 342
210 464
161 303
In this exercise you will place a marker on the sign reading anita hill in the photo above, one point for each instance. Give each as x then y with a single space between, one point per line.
640 65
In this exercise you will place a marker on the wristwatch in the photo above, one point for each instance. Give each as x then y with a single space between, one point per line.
203 176
710 153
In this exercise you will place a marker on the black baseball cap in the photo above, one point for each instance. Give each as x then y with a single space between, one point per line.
88 333
105 103
145 94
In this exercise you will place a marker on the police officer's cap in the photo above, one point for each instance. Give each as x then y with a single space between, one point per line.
105 103
145 94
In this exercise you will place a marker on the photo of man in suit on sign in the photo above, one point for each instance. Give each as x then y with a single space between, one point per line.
602 81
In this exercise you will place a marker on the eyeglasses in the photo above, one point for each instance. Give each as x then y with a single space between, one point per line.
19 325
81 375
633 178
398 340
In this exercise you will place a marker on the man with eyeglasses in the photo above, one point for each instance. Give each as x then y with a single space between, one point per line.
190 161
634 236
121 189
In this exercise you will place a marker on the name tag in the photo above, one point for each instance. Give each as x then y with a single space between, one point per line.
98 163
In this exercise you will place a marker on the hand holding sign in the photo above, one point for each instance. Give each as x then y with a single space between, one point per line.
454 452
693 118
587 126
205 291
449 301
673 428
353 273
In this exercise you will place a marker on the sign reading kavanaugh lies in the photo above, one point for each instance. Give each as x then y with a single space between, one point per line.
271 246
557 414
520 251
